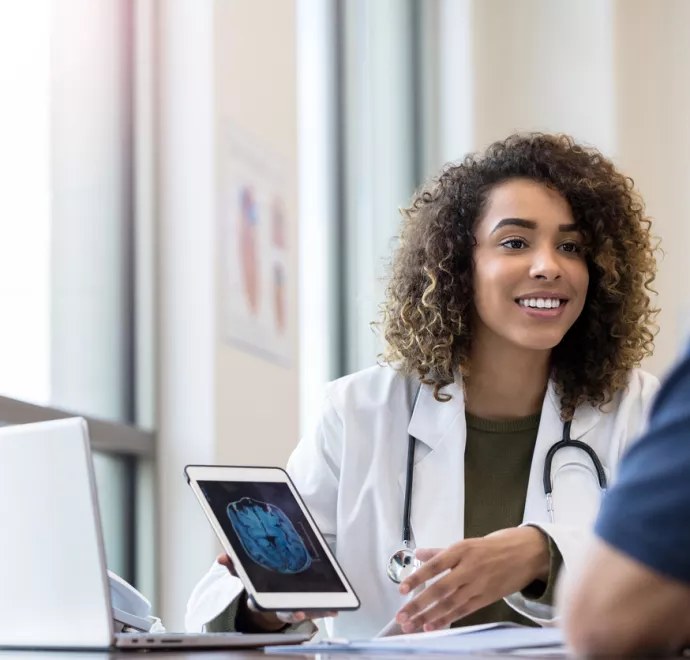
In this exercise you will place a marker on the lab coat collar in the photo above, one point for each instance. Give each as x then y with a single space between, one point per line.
438 492
431 419
586 415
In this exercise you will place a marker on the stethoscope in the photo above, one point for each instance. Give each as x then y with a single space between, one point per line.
403 562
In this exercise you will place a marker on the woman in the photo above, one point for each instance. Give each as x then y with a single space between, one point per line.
518 301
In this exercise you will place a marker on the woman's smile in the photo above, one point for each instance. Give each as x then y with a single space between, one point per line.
544 305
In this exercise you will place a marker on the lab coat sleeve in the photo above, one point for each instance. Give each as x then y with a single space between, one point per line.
571 543
216 591
315 469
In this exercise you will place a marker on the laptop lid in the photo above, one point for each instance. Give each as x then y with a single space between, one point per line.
54 589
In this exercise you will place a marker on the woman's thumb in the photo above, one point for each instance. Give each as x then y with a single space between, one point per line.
224 560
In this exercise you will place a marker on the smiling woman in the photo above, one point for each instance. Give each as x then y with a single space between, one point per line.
517 314
549 215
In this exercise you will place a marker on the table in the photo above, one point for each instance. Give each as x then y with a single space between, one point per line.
226 655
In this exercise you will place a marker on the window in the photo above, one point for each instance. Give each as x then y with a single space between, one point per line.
67 246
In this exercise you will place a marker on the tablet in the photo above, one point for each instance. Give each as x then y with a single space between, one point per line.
266 529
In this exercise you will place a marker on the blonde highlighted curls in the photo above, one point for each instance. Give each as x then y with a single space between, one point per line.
427 322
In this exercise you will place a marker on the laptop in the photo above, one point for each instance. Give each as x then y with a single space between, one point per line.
54 587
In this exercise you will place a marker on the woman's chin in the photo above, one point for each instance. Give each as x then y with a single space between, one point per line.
539 342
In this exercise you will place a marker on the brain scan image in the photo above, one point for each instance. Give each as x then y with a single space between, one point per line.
268 536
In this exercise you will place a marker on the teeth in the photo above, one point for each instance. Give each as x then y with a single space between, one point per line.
540 303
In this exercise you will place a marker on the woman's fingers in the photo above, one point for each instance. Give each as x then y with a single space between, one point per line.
224 560
439 563
442 591
446 619
298 617
285 617
426 554
438 611
291 617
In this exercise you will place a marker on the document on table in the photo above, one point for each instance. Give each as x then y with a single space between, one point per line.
495 637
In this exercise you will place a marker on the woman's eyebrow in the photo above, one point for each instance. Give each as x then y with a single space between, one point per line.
514 222
570 228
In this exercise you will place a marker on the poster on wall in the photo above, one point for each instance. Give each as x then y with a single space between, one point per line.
254 250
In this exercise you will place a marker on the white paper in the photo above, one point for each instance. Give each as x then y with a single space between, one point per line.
472 639
391 629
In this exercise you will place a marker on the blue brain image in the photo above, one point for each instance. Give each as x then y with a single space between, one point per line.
268 536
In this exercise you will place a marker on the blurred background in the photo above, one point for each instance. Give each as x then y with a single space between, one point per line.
200 198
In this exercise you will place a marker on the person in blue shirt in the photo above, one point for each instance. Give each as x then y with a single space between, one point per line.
633 593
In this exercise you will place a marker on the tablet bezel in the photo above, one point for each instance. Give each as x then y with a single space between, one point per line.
271 601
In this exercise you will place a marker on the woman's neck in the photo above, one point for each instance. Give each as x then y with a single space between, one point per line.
505 381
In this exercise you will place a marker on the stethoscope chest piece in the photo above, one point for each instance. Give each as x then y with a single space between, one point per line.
402 564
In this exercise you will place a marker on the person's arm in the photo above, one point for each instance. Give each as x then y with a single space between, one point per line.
542 590
619 606
564 544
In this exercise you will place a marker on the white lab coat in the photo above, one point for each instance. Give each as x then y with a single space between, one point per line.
350 470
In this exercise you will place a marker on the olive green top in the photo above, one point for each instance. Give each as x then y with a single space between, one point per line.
498 457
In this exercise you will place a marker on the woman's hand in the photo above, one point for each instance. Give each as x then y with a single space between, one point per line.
478 572
270 621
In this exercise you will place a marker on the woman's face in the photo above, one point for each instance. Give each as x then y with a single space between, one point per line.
530 273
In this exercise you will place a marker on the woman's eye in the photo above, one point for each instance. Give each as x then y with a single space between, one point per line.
514 243
573 248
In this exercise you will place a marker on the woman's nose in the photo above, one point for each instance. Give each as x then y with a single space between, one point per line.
546 265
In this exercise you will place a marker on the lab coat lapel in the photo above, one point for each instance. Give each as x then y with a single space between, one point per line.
550 432
438 491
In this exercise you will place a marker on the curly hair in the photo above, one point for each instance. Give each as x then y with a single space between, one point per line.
427 319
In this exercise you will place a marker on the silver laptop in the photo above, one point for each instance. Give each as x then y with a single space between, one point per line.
54 589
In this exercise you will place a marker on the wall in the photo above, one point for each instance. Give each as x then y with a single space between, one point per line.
613 73
532 70
257 402
228 61
653 145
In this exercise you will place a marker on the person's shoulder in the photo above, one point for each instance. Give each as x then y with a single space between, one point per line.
639 393
630 407
368 388
642 384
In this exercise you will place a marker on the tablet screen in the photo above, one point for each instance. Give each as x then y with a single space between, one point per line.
271 536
